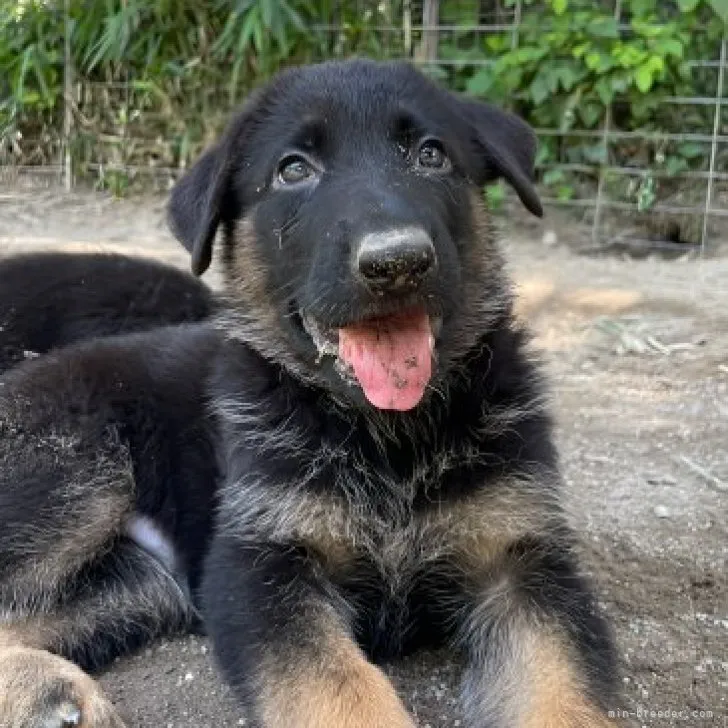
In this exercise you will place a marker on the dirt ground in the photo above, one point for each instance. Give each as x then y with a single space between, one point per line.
638 356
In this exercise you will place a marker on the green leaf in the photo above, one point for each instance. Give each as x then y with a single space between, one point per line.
552 78
247 33
591 114
690 150
687 6
605 27
685 71
721 9
598 62
643 7
648 30
669 47
605 90
560 6
643 78
495 43
544 153
528 54
30 98
656 63
629 55
620 82
495 195
481 82
539 90
675 165
568 76
553 176
512 80
565 193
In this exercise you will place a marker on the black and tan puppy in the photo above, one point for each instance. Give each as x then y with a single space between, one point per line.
51 299
355 461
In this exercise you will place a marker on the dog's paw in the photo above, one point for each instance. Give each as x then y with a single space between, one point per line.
40 690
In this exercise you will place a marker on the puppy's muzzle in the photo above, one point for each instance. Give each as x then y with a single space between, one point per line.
395 260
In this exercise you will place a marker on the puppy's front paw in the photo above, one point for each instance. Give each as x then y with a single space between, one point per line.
40 690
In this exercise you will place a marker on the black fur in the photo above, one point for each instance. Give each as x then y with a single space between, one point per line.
49 300
302 517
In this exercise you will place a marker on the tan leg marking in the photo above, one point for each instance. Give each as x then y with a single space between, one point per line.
344 690
555 696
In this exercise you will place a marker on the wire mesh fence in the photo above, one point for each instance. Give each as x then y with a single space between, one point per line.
665 183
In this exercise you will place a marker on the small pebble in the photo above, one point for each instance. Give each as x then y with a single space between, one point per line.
550 238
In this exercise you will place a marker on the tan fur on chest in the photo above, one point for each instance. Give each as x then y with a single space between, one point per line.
469 533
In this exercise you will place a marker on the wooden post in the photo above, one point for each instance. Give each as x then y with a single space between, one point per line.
407 27
67 98
714 144
427 51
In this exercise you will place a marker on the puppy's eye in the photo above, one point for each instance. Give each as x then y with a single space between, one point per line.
294 169
431 155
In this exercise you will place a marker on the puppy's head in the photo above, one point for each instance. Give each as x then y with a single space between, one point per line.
354 242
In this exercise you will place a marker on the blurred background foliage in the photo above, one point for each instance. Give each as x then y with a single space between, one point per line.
154 80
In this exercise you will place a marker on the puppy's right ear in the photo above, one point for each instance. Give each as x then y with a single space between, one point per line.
199 200
196 204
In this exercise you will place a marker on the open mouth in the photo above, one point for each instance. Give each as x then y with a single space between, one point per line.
389 357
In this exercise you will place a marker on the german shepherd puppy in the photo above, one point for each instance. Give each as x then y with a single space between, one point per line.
354 461
49 300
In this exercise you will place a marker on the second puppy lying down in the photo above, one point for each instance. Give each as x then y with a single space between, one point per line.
52 299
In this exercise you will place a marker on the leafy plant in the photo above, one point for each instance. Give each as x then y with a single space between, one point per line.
576 60
495 196
154 81
30 69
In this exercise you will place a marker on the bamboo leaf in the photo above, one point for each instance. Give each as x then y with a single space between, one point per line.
721 9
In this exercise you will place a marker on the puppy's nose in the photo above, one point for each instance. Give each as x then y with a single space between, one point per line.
395 259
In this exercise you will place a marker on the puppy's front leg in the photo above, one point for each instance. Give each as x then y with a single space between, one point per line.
283 643
539 653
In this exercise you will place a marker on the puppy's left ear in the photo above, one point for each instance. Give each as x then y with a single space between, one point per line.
507 146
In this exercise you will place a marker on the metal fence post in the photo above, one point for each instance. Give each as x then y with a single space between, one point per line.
517 12
596 223
714 143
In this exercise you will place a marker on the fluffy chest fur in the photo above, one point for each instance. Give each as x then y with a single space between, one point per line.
343 494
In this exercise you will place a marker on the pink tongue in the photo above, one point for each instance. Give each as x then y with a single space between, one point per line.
391 358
